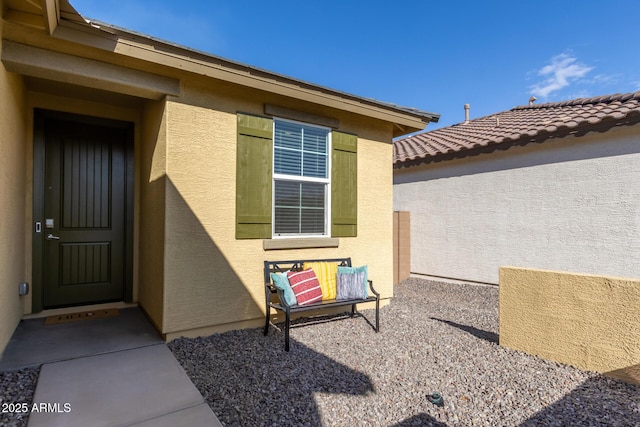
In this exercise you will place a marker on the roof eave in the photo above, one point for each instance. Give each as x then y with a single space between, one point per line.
71 26
426 116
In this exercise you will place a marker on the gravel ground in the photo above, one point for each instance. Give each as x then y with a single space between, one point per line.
434 337
16 396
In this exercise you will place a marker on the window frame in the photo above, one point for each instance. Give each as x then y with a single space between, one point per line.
300 179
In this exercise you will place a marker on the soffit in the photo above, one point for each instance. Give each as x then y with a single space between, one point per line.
40 14
68 90
25 6
27 12
36 6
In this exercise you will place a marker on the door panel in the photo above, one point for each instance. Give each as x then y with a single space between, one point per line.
85 213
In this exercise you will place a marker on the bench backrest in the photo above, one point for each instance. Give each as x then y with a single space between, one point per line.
296 265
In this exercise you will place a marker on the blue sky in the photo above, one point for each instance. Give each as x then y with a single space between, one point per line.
431 55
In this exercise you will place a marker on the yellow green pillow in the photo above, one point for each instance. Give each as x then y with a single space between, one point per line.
326 273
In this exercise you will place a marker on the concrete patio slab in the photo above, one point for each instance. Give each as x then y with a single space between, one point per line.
33 343
144 386
200 415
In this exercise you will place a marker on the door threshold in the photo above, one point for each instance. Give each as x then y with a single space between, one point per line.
78 308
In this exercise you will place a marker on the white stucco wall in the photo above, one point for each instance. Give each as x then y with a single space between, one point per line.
571 204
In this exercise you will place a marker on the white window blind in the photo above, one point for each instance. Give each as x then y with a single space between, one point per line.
301 179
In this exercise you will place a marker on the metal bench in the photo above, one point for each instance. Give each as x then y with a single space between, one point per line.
279 302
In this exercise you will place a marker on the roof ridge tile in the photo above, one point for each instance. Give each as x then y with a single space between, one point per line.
617 97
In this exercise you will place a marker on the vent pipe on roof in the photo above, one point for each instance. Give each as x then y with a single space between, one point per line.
466 113
533 98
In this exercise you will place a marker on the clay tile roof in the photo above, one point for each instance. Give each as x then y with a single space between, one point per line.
518 126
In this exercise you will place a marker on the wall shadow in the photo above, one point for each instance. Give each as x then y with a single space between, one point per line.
478 333
420 420
201 286
249 380
185 280
629 374
599 401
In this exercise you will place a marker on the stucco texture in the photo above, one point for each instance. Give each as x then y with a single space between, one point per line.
152 196
571 204
13 179
212 280
591 322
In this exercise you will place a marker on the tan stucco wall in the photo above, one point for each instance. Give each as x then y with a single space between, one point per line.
13 179
588 321
153 183
212 279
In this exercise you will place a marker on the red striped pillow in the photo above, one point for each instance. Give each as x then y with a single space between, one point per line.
305 286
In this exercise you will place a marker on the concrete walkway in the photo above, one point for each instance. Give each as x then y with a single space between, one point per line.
105 372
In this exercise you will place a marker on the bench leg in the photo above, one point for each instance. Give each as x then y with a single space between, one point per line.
287 322
266 323
378 315
353 310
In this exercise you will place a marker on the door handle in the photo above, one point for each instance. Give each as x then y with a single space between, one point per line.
52 237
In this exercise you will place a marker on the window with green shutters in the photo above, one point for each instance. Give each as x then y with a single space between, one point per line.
294 179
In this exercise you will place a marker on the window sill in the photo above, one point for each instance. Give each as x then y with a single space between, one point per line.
300 243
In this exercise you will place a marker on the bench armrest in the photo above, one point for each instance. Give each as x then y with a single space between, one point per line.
373 290
271 289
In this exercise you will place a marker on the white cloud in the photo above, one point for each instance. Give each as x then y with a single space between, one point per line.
605 79
561 72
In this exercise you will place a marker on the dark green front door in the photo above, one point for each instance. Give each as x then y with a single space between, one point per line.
85 222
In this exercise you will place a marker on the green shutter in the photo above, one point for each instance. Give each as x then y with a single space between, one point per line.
253 177
344 185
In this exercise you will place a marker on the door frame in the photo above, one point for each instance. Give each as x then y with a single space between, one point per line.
40 116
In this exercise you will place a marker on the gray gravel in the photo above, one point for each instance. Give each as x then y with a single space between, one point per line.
434 337
16 395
